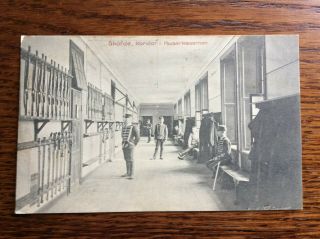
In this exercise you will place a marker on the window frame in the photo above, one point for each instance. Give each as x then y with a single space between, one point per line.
240 144
76 66
260 40
187 104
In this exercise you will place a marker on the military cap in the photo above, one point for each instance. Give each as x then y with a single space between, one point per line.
222 128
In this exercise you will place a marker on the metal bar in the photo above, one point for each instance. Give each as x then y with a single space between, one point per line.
42 171
54 86
39 171
34 80
45 88
49 86
53 162
68 96
52 89
49 165
56 89
26 83
61 163
59 92
64 161
69 162
39 87
63 94
57 164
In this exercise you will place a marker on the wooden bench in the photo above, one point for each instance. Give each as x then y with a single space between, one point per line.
237 176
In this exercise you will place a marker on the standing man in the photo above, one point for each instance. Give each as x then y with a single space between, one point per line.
130 138
160 136
149 130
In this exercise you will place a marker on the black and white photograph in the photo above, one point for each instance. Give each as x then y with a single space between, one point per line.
159 123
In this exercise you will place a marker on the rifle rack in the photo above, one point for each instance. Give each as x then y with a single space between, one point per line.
118 124
111 123
101 125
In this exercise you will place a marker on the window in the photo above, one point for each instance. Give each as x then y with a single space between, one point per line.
77 67
242 83
201 94
198 119
197 97
113 91
251 77
180 107
204 93
229 94
187 104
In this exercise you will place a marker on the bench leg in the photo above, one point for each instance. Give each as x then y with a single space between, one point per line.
216 176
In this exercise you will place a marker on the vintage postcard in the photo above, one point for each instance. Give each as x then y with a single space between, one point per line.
159 123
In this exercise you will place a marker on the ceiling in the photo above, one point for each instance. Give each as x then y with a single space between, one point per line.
156 69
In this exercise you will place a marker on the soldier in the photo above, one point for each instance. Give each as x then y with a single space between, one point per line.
160 136
222 150
149 129
130 138
193 144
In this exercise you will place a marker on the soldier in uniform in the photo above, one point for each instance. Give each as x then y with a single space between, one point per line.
149 129
130 138
222 150
160 136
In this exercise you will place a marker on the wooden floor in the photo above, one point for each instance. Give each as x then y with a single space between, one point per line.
159 185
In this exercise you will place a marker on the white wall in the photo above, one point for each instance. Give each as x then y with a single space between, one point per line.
213 69
97 73
282 65
214 87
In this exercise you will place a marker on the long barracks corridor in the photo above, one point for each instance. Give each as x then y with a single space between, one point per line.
76 92
159 185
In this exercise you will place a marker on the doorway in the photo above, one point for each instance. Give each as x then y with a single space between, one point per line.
143 129
168 120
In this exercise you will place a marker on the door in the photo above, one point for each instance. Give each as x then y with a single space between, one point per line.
168 120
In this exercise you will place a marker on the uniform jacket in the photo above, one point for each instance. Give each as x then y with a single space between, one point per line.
223 148
130 136
161 132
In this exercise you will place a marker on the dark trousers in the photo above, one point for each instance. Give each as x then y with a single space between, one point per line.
128 156
159 143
